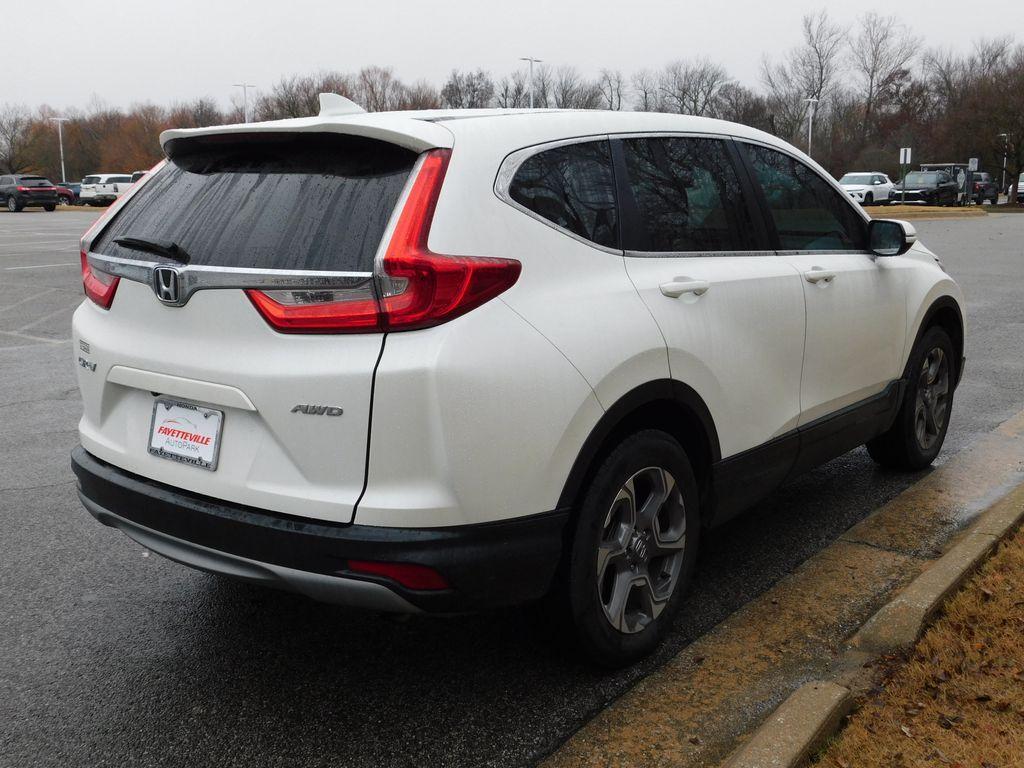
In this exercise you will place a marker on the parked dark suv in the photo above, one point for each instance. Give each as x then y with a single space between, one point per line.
928 187
18 191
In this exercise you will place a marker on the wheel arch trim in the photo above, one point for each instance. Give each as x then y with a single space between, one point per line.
945 306
618 414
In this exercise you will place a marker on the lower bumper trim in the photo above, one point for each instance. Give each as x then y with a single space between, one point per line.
486 565
327 589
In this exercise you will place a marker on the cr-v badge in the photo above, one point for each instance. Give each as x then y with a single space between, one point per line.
318 410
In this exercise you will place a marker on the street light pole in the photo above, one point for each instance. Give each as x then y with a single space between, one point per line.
245 99
60 140
532 62
811 103
1002 185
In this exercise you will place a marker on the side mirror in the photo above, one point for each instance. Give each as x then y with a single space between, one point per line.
888 237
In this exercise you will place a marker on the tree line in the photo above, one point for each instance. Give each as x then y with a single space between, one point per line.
874 87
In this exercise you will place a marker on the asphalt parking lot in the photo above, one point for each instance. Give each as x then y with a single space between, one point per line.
109 657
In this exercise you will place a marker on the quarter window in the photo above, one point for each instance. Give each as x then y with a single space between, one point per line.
688 197
573 187
809 215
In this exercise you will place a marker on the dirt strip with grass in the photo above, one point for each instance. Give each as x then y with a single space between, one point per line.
958 698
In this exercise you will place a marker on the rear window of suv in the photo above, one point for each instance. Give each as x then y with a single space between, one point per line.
34 181
268 201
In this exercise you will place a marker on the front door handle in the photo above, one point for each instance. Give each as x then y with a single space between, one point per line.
819 275
681 285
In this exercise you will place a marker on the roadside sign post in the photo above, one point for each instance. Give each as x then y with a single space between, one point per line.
904 161
972 168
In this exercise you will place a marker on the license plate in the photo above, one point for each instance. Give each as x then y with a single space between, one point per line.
185 432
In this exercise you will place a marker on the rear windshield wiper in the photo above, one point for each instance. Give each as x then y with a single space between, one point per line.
167 248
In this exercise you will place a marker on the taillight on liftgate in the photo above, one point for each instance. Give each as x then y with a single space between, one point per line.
412 287
99 286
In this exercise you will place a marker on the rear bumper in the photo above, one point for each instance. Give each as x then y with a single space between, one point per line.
33 200
488 565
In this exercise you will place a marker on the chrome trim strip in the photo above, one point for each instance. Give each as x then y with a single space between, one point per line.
198 278
695 254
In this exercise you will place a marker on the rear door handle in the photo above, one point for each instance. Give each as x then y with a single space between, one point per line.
819 275
681 285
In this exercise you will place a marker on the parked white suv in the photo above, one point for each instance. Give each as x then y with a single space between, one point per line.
868 188
448 360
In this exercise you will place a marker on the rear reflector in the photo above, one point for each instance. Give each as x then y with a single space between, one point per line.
413 287
99 286
408 575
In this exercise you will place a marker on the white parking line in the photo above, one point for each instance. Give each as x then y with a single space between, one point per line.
44 266
27 299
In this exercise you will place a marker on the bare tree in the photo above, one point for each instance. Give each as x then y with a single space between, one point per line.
692 87
645 85
419 95
14 133
808 71
739 104
299 95
543 86
468 90
611 84
512 92
569 90
196 113
880 52
378 90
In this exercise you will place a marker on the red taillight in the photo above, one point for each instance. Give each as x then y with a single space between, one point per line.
349 310
409 575
99 286
415 288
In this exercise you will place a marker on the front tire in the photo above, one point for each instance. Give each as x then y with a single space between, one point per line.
916 436
50 208
633 551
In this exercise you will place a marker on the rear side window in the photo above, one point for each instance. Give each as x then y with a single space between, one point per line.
572 186
119 179
688 197
809 215
268 201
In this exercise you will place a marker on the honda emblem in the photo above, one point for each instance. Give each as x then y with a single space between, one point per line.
167 285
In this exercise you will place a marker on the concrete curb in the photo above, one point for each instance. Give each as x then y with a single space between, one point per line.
797 728
814 712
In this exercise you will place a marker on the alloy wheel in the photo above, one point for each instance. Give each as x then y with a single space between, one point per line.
640 555
932 405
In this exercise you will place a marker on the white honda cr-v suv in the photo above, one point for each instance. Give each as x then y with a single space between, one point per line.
449 360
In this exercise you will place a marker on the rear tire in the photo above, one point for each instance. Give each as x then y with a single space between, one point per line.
13 205
869 199
916 436
49 208
633 550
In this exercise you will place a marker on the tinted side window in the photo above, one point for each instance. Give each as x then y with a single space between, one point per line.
573 187
809 215
688 197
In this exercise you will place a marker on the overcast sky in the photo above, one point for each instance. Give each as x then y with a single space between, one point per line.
124 51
